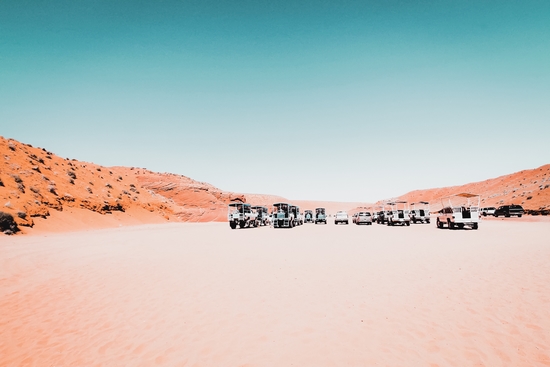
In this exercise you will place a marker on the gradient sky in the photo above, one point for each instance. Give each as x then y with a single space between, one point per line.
342 100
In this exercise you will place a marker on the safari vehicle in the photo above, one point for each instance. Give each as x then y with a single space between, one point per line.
488 211
308 216
509 210
320 215
341 217
399 214
363 218
262 212
383 215
420 212
283 216
241 214
459 210
298 219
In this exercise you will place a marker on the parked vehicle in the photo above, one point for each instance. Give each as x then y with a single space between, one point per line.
298 219
363 218
459 211
399 214
308 216
420 212
263 215
320 215
382 215
283 217
488 211
341 217
509 210
241 214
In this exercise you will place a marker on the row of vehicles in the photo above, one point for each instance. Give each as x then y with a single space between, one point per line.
458 211
504 211
283 215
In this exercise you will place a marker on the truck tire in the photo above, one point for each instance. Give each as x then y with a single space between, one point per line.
233 225
474 226
242 224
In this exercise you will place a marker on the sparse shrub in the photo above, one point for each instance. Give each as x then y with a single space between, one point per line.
71 174
132 185
71 181
51 188
120 178
21 187
125 192
1 183
22 215
11 146
7 224
35 190
98 169
529 197
45 178
108 185
17 179
89 190
68 197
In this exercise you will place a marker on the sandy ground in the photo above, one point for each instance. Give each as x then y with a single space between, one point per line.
325 295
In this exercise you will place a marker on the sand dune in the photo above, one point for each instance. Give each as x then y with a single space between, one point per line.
204 295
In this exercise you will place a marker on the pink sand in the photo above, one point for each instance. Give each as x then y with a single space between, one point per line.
316 295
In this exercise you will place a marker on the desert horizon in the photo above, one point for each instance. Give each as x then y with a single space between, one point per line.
37 183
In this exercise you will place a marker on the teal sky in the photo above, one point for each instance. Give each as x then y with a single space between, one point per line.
347 100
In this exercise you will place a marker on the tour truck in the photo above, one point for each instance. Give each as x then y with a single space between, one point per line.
420 212
298 218
308 216
241 214
459 210
399 214
283 217
320 215
262 212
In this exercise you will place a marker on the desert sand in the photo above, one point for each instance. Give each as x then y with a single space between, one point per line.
200 294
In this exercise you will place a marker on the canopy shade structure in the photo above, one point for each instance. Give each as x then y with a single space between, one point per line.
466 195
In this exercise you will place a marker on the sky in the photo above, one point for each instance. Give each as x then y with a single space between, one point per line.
313 100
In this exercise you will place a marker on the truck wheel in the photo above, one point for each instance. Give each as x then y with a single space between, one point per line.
408 223
242 224
438 223
474 226
233 225
450 224
519 215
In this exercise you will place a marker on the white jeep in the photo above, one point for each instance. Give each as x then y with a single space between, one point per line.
459 210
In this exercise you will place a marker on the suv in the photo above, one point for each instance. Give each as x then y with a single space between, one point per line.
459 210
341 217
509 210
363 217
488 211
